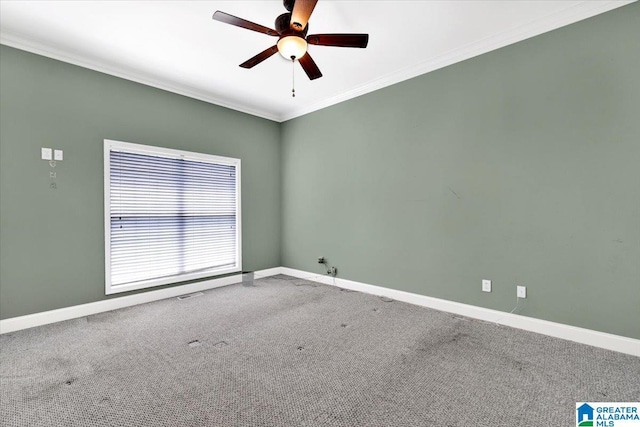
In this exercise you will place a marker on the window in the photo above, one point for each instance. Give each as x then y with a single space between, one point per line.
170 216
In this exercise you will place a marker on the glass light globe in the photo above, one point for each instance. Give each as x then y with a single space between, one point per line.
292 46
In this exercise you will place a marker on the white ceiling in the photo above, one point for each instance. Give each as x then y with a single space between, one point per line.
176 46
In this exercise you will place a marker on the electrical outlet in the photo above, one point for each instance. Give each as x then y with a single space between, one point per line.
57 155
486 285
521 291
321 260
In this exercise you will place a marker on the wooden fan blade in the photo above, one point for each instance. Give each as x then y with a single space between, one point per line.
250 63
340 40
309 66
301 12
243 23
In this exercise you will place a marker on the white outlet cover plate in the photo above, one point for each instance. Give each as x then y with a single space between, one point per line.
46 153
486 285
522 291
57 155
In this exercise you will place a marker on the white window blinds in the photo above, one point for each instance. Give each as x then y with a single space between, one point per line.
171 216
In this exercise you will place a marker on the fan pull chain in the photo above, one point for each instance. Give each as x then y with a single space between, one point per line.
293 76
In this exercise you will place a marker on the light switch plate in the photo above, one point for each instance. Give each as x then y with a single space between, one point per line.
46 153
521 291
57 154
486 285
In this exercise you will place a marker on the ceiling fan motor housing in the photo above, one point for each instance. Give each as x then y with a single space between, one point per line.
283 27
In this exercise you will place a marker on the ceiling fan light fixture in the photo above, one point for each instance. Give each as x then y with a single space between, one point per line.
291 30
292 46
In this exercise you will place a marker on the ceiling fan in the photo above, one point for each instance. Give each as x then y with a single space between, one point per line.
291 30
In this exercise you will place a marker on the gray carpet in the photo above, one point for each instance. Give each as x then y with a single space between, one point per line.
288 352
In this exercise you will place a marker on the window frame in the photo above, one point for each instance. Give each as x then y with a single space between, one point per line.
130 147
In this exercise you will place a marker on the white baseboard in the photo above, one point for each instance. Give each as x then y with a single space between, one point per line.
43 318
558 330
572 333
268 272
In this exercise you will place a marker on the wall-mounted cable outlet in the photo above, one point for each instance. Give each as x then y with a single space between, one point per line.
521 291
486 285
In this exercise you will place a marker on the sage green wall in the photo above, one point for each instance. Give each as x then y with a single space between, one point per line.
521 166
52 241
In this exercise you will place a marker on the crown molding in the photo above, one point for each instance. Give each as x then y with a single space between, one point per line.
570 15
25 44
